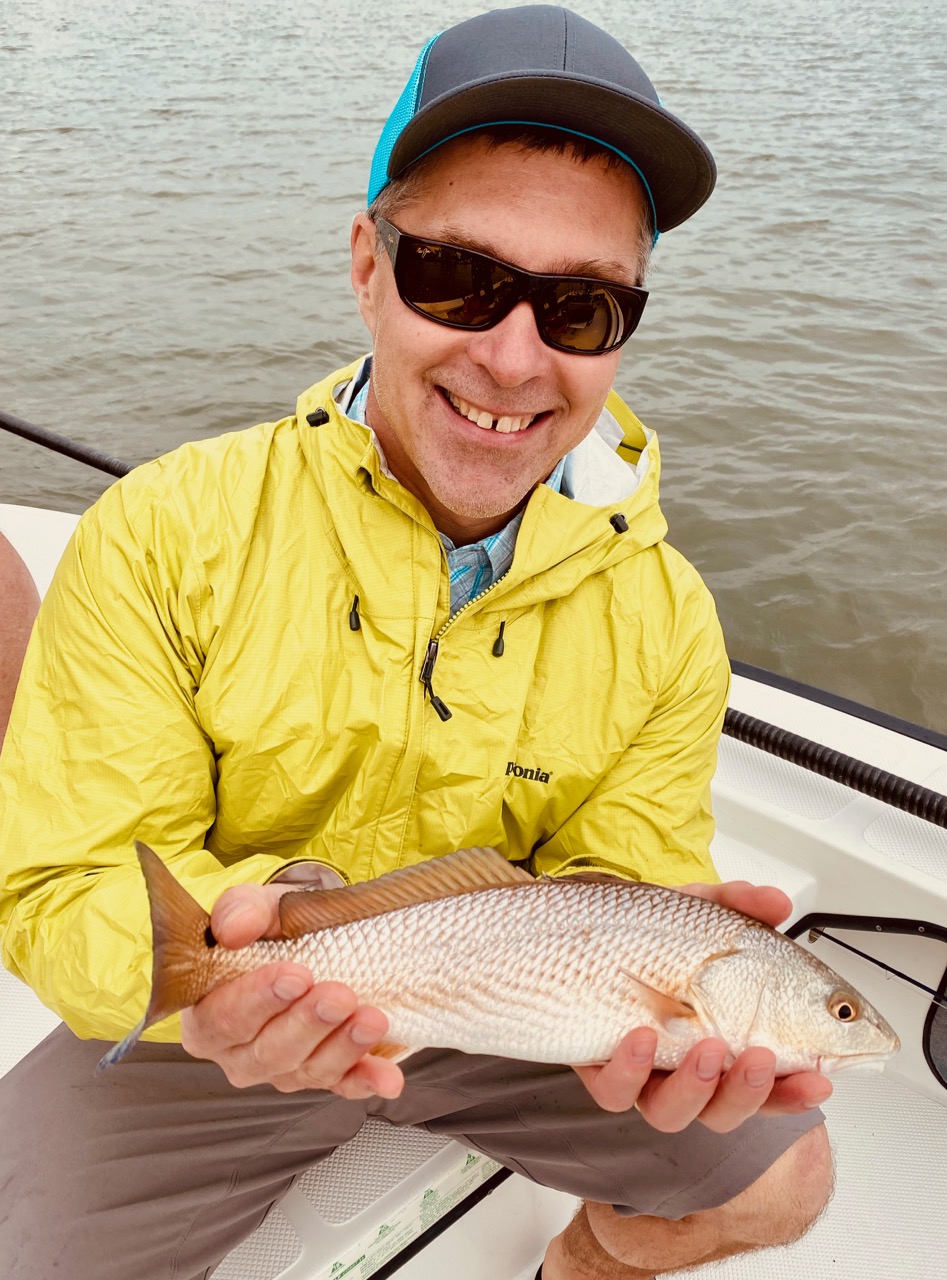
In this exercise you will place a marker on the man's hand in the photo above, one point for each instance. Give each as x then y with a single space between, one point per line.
700 1089
278 1026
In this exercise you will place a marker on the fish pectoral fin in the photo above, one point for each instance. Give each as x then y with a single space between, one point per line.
662 1007
393 1052
720 955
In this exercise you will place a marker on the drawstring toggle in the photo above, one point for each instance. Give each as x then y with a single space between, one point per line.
427 671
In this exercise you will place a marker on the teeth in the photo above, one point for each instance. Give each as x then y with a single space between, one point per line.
484 419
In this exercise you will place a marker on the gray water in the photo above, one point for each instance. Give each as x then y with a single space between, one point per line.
177 181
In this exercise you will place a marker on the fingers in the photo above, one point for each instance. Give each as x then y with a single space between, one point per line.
762 902
671 1101
741 1092
801 1092
367 1077
277 1026
700 1090
616 1085
316 1042
236 1012
750 1088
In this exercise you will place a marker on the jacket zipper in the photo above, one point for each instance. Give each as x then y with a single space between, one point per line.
427 670
430 657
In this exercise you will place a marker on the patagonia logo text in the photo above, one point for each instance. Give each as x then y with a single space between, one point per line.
534 775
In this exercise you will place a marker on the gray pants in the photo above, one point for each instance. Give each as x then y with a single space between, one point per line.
160 1167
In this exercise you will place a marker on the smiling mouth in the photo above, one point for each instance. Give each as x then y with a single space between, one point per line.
483 418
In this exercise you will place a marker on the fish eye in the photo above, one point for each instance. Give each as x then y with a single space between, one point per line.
844 1007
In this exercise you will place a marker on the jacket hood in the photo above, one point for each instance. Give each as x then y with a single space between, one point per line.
608 509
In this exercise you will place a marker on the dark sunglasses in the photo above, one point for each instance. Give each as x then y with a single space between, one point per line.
468 290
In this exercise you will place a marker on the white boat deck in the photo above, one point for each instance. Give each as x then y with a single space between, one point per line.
832 850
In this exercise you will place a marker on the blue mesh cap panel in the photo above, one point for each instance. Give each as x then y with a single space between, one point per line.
404 110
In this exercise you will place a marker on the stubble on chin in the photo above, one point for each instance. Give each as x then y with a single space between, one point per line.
450 476
477 499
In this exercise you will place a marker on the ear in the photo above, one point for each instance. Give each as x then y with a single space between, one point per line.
365 268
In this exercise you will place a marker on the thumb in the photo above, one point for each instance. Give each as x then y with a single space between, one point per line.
245 913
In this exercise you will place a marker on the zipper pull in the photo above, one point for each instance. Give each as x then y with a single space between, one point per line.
427 671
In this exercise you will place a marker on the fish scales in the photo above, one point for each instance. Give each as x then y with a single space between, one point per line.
470 953
492 971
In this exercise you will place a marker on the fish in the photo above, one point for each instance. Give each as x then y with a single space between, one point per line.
468 951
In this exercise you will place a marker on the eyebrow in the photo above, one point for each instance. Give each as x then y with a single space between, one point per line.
604 269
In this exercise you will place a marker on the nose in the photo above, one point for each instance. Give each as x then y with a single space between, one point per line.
512 352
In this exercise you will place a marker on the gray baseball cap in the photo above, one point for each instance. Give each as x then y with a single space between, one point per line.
540 64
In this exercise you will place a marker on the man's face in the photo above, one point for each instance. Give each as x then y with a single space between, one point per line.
544 212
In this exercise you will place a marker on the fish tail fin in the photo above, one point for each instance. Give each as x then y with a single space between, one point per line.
181 938
118 1051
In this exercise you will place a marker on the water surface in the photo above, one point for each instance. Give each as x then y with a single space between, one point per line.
178 184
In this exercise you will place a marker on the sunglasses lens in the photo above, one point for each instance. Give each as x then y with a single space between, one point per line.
468 290
451 285
579 316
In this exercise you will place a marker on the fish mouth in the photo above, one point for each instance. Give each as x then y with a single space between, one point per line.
865 1062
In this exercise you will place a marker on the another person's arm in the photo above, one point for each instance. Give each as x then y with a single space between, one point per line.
19 601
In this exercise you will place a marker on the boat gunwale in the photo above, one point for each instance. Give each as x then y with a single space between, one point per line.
838 702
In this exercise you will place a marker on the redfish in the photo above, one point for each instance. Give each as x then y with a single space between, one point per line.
470 952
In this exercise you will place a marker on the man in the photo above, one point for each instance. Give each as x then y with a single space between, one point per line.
432 609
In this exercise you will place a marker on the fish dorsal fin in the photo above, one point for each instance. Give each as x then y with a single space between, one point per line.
466 871
594 877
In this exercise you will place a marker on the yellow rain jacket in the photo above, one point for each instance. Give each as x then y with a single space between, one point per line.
201 678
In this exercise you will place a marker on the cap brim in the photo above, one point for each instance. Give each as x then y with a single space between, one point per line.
677 165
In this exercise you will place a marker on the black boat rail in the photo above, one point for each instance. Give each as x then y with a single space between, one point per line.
61 444
858 775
